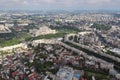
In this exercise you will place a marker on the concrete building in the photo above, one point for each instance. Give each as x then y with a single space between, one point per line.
42 31
65 73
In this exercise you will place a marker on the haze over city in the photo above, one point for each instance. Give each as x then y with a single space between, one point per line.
60 4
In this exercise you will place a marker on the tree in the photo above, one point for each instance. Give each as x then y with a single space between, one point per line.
71 38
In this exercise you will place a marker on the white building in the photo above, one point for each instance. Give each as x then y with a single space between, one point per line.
65 73
10 48
42 31
117 76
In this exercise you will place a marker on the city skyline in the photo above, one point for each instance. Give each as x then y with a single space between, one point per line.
59 5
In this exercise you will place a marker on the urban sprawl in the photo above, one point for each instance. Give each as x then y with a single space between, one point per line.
59 45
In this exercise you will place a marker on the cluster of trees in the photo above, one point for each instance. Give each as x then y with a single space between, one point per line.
30 26
65 28
14 40
7 35
48 36
112 53
101 26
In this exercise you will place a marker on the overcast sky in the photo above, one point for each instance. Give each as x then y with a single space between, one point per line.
61 4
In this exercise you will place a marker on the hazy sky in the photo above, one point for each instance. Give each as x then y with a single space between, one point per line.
61 4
